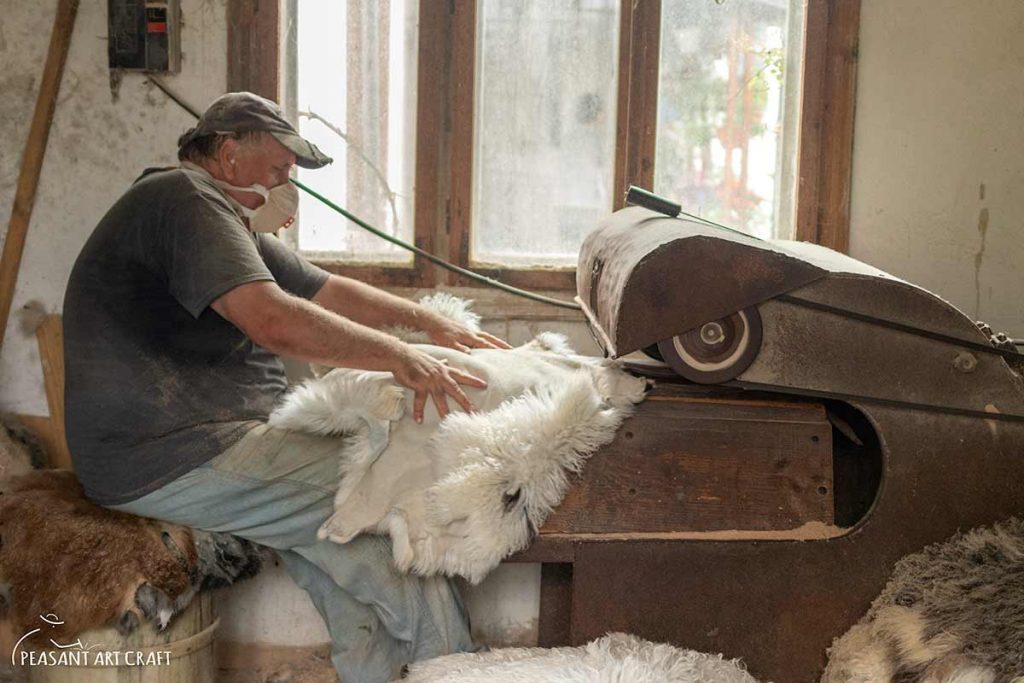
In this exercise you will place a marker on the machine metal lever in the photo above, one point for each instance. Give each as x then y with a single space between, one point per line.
641 197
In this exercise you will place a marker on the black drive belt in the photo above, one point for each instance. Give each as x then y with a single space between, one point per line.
893 325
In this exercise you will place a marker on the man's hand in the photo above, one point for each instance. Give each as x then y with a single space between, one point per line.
378 309
426 375
445 332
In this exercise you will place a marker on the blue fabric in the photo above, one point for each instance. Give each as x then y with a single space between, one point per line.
276 487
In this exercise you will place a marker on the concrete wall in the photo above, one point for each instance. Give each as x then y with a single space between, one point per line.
99 144
936 190
938 178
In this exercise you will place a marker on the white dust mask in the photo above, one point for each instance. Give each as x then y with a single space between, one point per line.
278 210
279 207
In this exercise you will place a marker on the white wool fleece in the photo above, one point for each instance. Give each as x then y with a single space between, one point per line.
458 495
615 658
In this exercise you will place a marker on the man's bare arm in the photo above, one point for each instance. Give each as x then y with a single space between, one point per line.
376 308
291 326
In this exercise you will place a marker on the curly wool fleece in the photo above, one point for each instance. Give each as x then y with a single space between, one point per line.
458 495
615 658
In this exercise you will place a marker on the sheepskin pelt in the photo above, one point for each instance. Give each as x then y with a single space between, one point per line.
91 566
615 658
951 613
458 495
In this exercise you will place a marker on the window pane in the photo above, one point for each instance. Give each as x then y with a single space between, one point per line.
354 87
728 99
544 127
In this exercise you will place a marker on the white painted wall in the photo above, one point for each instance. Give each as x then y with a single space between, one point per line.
98 145
940 113
938 158
270 608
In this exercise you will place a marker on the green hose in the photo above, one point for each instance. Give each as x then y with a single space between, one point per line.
434 259
394 240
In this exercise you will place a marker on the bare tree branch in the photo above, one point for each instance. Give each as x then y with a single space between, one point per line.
391 194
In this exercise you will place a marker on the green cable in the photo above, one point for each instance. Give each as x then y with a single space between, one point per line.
394 240
434 259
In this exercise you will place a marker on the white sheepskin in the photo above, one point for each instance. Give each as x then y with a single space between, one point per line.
458 495
360 404
451 307
615 658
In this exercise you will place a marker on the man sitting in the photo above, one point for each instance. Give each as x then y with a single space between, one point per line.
174 316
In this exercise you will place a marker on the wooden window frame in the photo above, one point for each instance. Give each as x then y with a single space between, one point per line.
445 112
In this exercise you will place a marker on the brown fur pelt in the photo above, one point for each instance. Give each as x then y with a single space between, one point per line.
62 554
953 612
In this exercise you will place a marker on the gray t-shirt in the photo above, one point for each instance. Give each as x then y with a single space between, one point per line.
157 383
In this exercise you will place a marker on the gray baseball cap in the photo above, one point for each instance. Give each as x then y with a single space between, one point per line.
244 112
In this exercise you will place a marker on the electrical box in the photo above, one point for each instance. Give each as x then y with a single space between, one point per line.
145 35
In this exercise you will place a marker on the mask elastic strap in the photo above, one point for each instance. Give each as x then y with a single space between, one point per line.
224 185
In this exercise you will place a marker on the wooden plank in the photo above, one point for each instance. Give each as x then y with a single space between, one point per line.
50 337
52 440
555 618
812 105
636 159
254 47
681 465
826 136
461 152
619 183
559 279
431 94
493 304
32 158
392 276
550 548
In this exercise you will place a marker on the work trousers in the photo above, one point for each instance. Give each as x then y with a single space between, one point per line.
276 487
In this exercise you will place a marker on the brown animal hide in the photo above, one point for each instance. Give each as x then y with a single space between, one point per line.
64 555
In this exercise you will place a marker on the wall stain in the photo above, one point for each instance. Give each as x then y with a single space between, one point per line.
979 257
19 89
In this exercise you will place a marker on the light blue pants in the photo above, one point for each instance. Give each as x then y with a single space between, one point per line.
276 487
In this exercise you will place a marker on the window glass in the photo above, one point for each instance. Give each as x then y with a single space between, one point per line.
352 80
728 101
544 127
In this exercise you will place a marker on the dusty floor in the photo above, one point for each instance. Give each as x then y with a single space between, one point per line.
316 669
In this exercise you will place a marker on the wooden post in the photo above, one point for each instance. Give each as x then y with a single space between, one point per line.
50 336
50 430
32 159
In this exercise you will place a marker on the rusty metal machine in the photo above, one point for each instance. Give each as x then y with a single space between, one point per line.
908 417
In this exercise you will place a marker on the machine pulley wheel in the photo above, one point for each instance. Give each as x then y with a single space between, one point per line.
716 351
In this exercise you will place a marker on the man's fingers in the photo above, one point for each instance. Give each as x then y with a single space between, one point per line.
460 397
463 377
417 405
440 402
495 341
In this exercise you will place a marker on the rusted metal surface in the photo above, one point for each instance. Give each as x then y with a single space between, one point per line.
779 604
807 350
646 277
